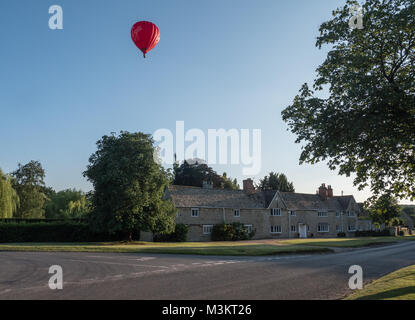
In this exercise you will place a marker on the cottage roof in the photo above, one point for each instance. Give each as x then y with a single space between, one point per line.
187 197
303 201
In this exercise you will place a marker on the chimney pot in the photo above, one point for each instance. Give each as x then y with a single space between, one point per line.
323 192
330 192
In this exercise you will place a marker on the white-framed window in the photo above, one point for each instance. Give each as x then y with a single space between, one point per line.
293 213
338 228
351 228
248 227
194 212
293 228
323 214
350 213
237 213
338 214
323 227
276 212
276 229
207 228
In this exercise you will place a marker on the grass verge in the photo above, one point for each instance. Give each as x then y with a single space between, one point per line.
209 248
245 248
398 285
347 242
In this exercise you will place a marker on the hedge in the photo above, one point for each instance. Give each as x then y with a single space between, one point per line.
43 220
383 233
69 231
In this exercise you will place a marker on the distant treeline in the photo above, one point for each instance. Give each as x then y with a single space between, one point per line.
24 195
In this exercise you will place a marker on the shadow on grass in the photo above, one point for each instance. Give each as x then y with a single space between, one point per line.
390 294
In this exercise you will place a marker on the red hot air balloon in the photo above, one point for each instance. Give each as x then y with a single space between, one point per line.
145 36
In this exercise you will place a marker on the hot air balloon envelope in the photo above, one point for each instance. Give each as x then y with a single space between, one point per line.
145 36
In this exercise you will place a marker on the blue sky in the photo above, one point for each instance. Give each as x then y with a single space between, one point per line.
219 64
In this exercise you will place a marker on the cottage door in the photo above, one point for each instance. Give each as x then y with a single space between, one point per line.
302 229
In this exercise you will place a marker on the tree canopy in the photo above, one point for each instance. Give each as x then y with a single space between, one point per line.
385 210
28 181
228 183
194 173
9 199
276 181
66 204
360 113
128 186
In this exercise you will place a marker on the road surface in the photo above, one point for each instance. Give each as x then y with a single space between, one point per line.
24 275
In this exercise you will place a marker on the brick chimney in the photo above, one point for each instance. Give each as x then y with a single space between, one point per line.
329 192
322 192
249 186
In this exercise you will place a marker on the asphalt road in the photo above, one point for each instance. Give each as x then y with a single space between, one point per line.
24 275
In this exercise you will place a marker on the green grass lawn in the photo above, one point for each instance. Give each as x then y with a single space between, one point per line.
399 285
347 242
243 248
205 248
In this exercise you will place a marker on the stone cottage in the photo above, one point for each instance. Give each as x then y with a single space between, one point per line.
271 214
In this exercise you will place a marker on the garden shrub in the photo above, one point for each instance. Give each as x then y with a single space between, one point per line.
231 232
179 235
223 232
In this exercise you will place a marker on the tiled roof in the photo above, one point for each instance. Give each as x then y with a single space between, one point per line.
303 201
187 197
344 201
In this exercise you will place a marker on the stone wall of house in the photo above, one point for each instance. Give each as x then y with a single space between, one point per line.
211 216
261 221
364 225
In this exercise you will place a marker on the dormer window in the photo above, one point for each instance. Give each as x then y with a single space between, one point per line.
276 212
237 213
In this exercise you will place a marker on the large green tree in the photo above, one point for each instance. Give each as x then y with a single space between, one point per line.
29 184
194 173
276 181
360 113
66 204
9 200
385 210
128 186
